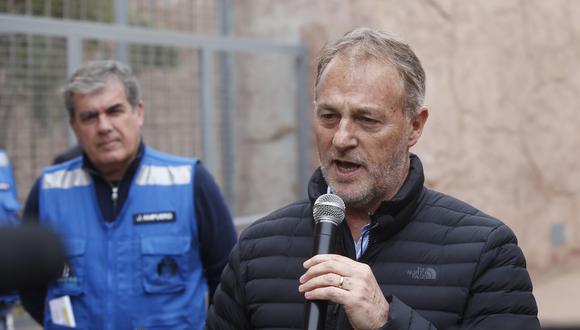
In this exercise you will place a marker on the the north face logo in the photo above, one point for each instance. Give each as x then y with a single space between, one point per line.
422 273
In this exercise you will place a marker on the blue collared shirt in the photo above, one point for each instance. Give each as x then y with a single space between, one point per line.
363 242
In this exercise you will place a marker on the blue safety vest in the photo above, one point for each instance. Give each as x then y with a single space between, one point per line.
9 204
9 207
141 271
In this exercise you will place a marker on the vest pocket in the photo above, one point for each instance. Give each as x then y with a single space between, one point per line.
166 322
8 208
52 326
70 283
72 277
165 262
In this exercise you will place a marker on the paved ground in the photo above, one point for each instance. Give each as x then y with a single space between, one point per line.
558 297
23 322
557 294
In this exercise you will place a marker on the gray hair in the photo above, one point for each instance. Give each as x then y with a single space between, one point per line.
93 76
362 43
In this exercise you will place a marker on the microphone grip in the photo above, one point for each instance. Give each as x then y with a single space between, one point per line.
324 238
315 314
324 242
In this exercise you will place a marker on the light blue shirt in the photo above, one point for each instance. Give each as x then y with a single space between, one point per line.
363 242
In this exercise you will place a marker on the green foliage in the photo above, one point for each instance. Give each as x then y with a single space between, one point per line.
86 10
156 56
35 66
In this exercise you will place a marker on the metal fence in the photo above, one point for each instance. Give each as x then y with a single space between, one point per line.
207 94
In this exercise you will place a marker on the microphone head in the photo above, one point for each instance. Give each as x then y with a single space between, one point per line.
329 208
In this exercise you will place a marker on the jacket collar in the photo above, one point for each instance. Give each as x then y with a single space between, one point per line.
91 168
393 214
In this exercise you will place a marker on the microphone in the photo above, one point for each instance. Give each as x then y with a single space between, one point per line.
328 213
30 256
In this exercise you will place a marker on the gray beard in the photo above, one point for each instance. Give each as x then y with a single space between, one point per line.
388 178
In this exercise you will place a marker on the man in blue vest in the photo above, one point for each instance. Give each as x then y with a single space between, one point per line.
9 207
147 234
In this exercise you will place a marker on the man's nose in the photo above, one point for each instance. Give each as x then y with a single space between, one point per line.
345 136
104 123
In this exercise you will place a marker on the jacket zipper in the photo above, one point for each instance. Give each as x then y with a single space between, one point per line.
114 198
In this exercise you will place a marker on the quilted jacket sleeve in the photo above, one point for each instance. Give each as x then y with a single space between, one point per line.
501 294
402 316
227 310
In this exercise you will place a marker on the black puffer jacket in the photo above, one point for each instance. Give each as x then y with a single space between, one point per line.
440 263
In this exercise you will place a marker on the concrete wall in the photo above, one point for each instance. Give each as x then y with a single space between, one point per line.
502 81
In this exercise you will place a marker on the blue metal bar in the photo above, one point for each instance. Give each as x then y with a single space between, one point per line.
228 109
99 31
207 109
74 58
303 118
121 19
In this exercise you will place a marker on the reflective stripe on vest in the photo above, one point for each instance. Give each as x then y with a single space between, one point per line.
3 159
152 175
65 179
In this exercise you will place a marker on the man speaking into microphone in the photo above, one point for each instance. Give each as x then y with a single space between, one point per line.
406 257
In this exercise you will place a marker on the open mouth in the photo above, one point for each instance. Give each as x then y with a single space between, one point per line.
346 167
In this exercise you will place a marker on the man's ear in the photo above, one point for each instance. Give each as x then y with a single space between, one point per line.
72 123
417 124
140 112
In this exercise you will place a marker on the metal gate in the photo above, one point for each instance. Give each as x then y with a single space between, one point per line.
240 105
